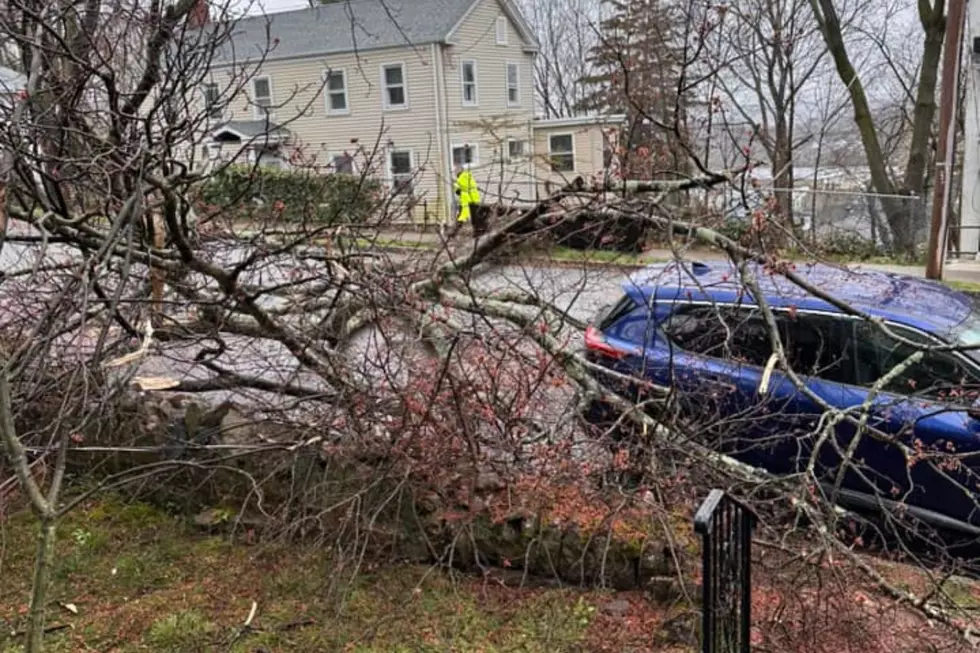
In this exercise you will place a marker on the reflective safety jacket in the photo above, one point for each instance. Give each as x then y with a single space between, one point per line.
468 193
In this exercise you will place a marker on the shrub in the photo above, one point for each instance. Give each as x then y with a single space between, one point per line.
291 194
181 633
849 246
734 228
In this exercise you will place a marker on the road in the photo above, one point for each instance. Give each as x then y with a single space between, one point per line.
580 291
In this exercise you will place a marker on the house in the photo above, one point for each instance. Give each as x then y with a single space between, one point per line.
403 89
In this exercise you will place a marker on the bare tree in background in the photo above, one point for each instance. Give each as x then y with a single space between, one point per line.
566 32
773 51
920 110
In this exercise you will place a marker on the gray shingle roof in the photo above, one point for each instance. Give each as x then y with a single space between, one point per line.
343 26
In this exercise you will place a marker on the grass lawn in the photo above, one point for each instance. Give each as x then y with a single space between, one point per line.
143 580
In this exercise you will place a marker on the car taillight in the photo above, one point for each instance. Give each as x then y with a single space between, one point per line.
596 342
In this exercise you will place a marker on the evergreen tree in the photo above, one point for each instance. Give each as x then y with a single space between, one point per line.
639 62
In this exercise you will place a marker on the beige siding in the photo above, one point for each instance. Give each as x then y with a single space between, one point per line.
300 101
436 119
588 150
492 121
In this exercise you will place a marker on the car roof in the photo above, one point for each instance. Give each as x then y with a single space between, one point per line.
920 303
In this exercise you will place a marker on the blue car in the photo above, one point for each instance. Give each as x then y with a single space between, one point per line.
696 330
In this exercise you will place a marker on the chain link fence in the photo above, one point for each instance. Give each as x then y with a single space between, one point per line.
840 220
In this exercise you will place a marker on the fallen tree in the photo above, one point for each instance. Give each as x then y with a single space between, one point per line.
302 382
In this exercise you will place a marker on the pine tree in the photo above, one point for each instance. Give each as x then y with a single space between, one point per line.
639 64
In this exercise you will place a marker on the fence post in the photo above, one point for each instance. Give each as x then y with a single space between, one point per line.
725 525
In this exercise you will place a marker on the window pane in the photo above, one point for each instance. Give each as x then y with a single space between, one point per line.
338 102
401 163
515 148
512 96
343 164
512 74
393 75
335 82
469 73
562 163
939 375
469 92
561 144
261 87
703 330
462 154
820 346
396 96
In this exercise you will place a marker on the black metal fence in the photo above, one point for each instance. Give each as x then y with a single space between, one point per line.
725 526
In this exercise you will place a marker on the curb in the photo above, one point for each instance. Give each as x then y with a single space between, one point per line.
541 262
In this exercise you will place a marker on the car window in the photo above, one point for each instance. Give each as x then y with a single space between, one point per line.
819 345
612 313
939 375
739 334
638 327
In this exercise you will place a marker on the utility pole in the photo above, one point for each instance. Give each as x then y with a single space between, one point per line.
969 236
945 149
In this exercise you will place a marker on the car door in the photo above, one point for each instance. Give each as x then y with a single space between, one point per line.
715 355
817 347
922 448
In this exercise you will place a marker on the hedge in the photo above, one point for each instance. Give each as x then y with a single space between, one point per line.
292 194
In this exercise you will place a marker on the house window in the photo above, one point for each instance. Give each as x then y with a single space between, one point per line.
336 83
343 164
501 30
513 85
468 71
212 95
400 168
516 149
393 78
561 150
262 97
464 154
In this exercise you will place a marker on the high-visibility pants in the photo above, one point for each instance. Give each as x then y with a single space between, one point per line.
464 212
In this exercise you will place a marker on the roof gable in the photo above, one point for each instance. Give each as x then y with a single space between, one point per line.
342 26
513 13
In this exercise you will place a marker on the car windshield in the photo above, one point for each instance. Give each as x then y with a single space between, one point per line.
967 334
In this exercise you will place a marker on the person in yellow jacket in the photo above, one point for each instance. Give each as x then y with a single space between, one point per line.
467 194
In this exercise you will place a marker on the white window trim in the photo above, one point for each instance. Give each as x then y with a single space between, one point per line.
475 147
391 168
517 67
384 87
501 33
551 153
326 92
257 112
462 84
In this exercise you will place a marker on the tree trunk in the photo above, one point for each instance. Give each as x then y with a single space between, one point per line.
899 212
934 25
783 179
43 563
